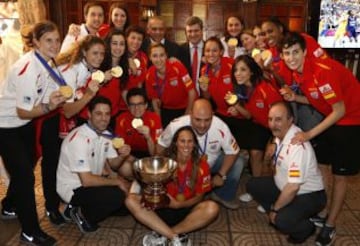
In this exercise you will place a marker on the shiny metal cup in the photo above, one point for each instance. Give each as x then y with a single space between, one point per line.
153 173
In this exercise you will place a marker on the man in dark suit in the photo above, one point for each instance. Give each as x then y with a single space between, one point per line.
156 34
193 49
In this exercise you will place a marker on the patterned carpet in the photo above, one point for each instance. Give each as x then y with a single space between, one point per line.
244 227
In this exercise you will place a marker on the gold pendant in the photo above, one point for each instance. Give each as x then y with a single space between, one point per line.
180 197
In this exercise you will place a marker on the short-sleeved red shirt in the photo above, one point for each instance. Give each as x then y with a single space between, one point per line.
327 82
220 83
138 79
173 91
182 181
314 50
131 136
263 96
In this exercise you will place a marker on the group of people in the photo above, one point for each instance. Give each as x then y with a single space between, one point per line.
212 97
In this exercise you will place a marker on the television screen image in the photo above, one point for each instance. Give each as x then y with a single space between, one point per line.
339 24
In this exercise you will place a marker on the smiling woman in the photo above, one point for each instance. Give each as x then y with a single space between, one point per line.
29 92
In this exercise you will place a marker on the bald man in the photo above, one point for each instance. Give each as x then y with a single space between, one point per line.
156 31
217 145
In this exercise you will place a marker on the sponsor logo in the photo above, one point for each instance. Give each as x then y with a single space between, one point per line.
227 80
260 104
174 82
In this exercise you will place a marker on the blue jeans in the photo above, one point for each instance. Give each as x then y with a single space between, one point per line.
228 191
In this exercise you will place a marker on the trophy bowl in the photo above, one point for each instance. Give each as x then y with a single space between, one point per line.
153 173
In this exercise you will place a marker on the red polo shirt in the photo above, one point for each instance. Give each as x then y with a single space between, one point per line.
263 96
173 90
131 136
181 184
220 83
327 82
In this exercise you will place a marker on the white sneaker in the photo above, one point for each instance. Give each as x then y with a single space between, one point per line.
181 240
246 197
154 239
260 209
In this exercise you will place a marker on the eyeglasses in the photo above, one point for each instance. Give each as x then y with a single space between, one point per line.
133 105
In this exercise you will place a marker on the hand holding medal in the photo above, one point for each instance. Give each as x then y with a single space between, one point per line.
231 98
204 82
137 122
232 42
66 91
99 76
116 71
118 142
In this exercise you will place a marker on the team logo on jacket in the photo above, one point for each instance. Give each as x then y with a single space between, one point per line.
260 104
106 147
314 94
227 80
174 82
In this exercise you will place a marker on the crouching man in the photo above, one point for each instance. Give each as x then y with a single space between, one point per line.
296 192
82 181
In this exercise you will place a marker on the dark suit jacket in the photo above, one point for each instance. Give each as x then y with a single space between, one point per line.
185 58
171 48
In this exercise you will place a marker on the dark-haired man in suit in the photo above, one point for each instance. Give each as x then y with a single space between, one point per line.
191 52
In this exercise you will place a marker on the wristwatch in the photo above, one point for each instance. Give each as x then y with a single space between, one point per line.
224 177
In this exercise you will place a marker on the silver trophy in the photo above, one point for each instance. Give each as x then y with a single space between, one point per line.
153 173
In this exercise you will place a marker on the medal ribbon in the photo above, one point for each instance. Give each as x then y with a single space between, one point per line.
181 186
105 135
203 150
160 85
277 152
59 79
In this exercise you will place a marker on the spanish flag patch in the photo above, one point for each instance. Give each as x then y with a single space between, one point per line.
327 91
294 173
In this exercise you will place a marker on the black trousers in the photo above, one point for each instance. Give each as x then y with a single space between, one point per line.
99 202
50 144
17 148
293 219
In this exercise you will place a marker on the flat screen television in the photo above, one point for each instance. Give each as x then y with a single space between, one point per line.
339 24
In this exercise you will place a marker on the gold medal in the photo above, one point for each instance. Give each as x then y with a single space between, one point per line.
116 71
98 75
204 79
232 100
180 197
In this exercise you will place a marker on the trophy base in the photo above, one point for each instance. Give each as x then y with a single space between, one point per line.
154 202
